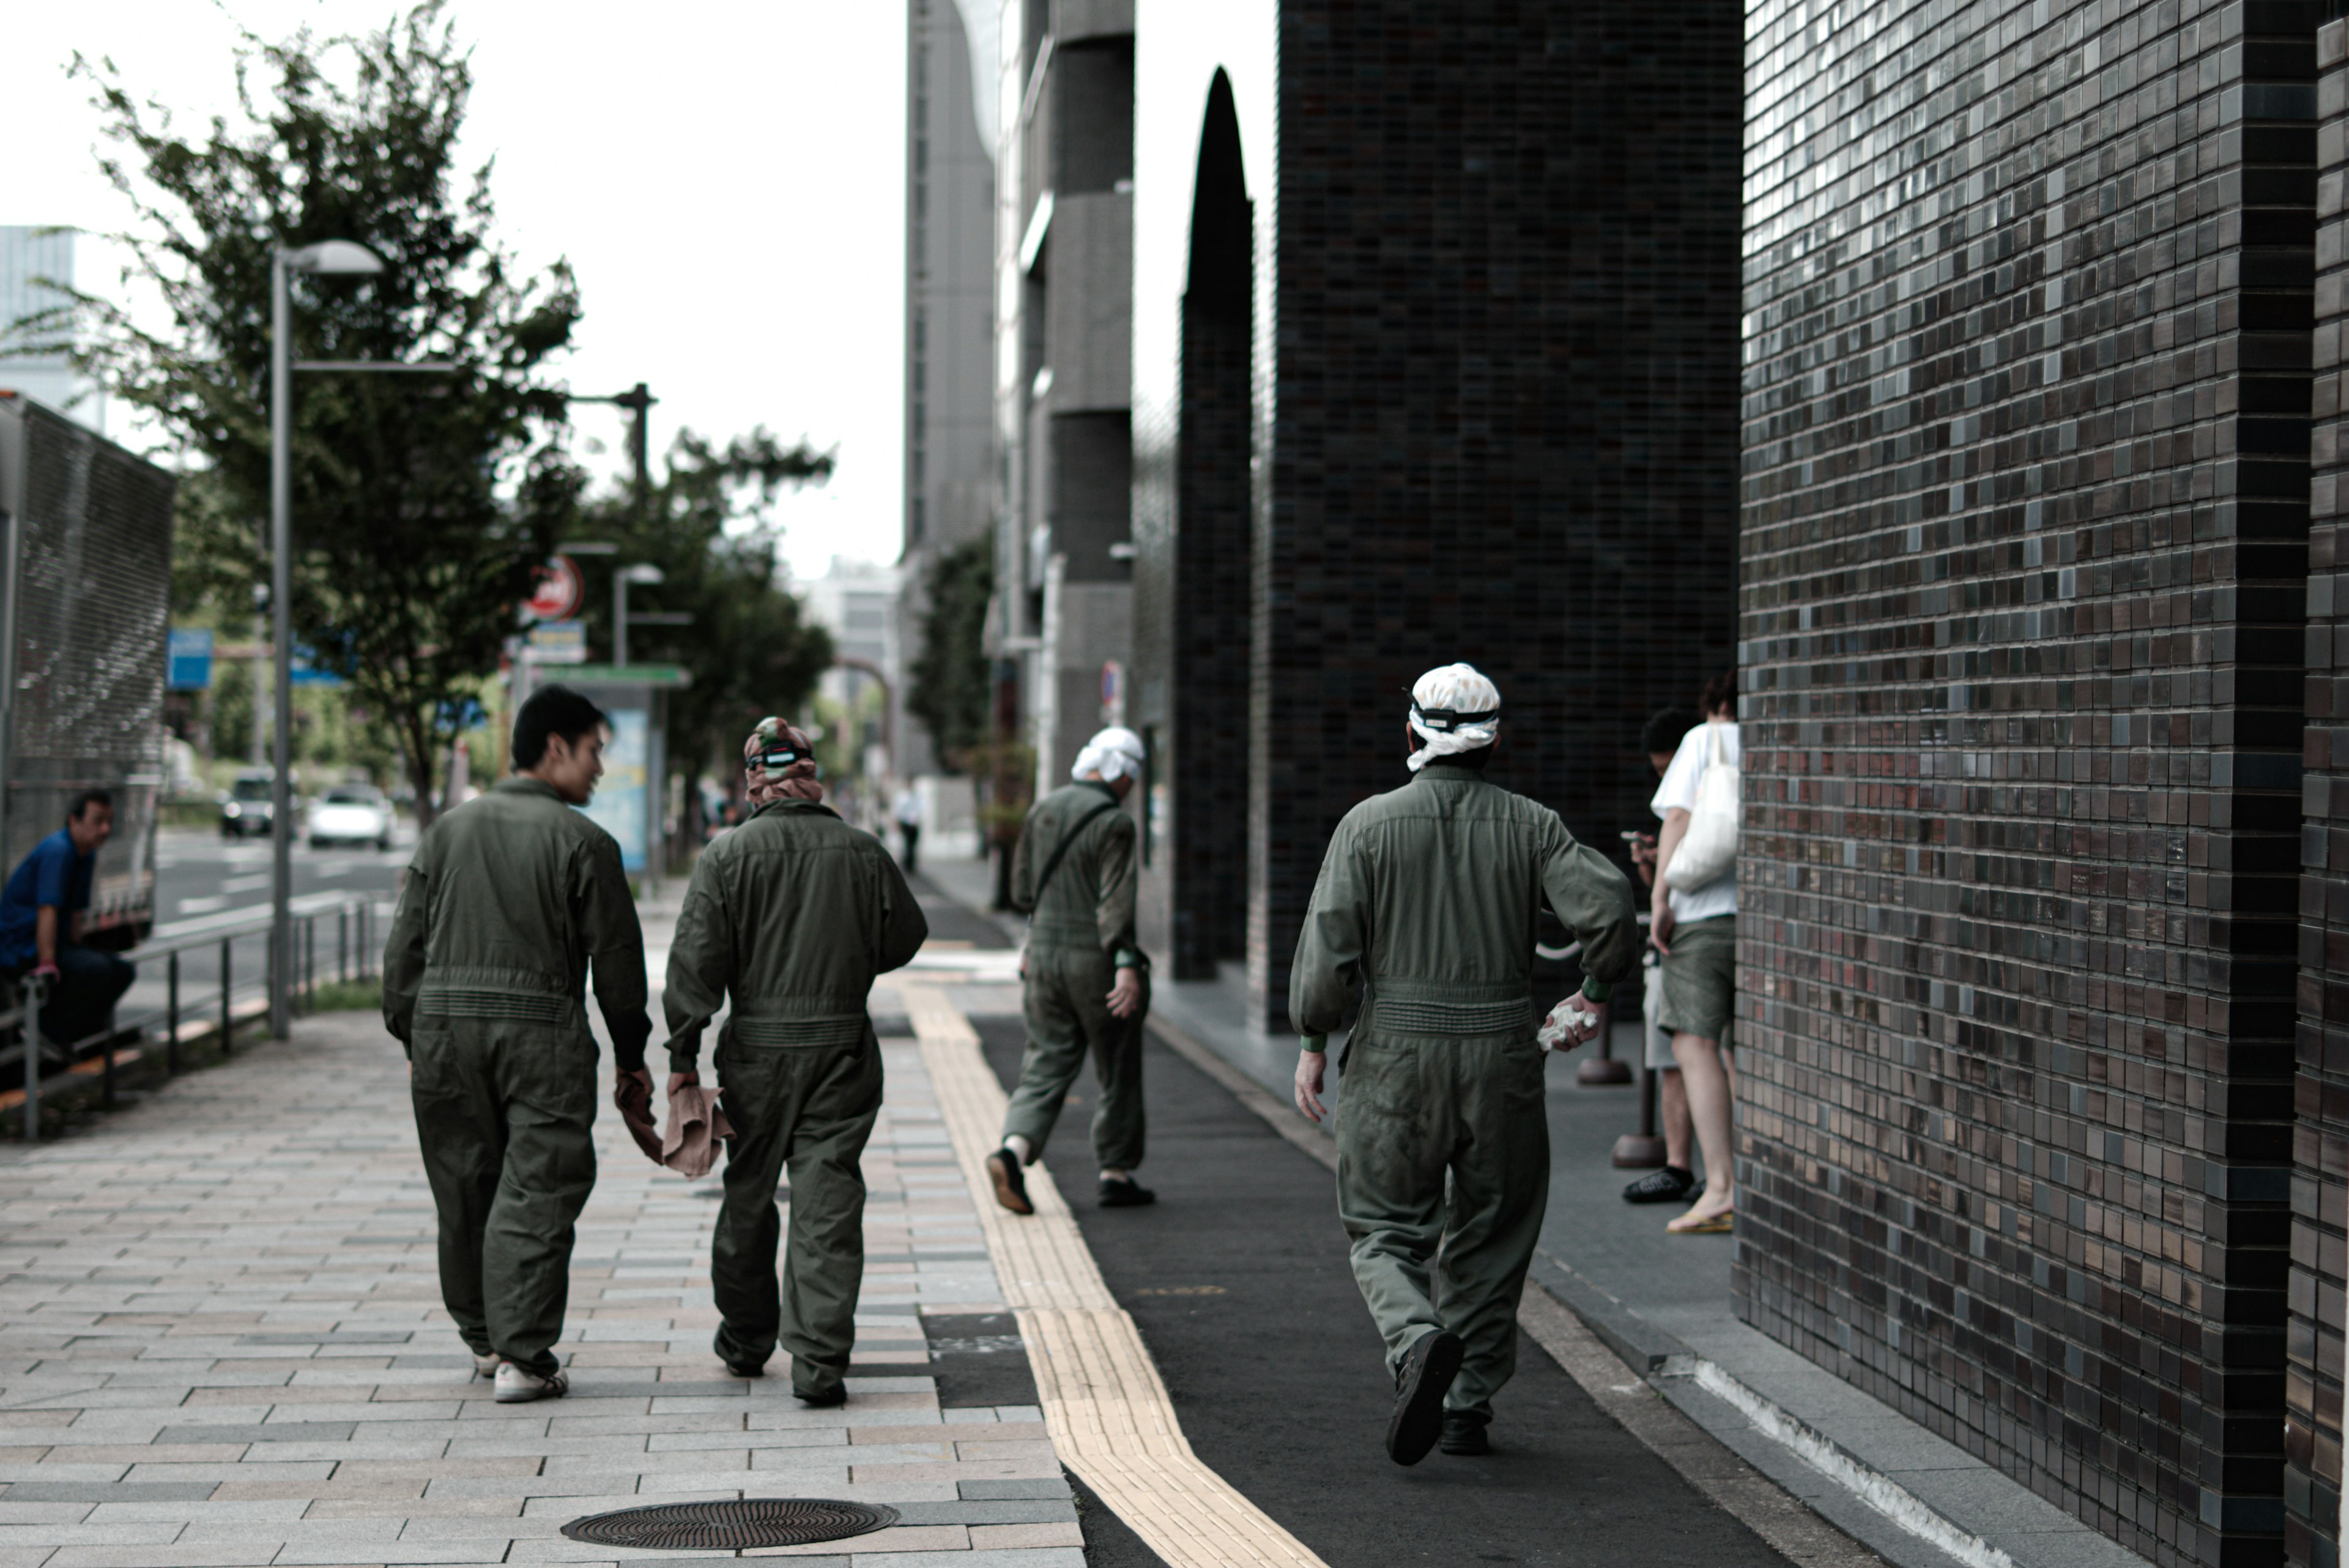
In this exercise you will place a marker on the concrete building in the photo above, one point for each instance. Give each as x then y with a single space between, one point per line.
33 357
1064 271
950 486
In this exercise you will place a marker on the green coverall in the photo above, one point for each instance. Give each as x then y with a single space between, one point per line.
793 914
1080 934
508 899
1428 900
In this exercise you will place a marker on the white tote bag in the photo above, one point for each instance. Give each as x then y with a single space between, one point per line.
1709 849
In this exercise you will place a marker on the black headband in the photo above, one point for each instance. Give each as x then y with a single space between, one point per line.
1449 719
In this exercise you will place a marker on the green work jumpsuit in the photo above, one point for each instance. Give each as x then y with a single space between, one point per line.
791 914
508 901
1428 900
1080 934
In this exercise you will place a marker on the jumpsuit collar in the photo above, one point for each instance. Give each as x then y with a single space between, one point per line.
517 784
790 803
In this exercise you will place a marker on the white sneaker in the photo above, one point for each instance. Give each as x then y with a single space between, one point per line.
487 1365
516 1386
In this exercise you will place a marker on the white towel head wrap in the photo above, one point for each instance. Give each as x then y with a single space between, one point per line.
1113 754
1453 710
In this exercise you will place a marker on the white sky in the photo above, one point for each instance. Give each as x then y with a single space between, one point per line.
727 180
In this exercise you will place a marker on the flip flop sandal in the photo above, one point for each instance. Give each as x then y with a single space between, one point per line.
1718 1225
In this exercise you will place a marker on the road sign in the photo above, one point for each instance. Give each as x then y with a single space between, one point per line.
558 642
560 590
305 671
191 655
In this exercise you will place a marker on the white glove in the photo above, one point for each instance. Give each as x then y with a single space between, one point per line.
1568 1017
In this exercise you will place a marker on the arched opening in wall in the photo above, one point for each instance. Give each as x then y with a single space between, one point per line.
1205 757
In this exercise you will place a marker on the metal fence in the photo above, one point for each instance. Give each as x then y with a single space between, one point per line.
352 921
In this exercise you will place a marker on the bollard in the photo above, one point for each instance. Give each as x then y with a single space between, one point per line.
343 945
106 1076
171 1018
227 1018
33 1060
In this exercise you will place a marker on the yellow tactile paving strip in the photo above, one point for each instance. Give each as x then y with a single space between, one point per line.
1104 1406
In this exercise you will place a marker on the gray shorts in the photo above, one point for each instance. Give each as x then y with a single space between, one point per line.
1699 978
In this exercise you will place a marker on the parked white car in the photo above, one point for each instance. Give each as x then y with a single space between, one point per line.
350 814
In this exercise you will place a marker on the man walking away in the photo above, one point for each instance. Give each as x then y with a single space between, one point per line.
793 914
509 899
42 912
1086 977
908 810
1428 900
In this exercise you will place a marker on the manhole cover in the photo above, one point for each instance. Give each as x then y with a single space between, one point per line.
727 1526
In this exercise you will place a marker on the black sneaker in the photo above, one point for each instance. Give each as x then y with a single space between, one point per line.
835 1394
736 1366
1428 1368
1126 1193
1465 1433
1010 1184
1672 1184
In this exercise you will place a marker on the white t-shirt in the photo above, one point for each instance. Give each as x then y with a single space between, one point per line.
1678 788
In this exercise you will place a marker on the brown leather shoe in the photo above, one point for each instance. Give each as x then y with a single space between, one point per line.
1011 1183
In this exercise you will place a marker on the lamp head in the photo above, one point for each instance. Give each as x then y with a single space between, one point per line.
644 572
337 256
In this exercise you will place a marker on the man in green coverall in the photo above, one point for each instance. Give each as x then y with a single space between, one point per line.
509 900
1428 900
792 913
1086 974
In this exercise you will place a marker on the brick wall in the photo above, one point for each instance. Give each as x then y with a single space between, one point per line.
2320 1190
1502 427
2023 505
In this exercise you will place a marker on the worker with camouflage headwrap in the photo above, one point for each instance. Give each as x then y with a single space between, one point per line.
793 914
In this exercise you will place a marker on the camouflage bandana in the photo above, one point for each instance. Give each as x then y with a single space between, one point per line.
779 764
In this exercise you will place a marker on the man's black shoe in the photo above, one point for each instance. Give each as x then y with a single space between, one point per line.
1010 1184
736 1364
1428 1368
1126 1193
1672 1184
835 1394
1465 1433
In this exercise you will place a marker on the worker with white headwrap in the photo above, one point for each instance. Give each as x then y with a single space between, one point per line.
1427 905
1075 874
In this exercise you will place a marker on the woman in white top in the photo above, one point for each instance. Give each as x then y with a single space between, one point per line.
1696 930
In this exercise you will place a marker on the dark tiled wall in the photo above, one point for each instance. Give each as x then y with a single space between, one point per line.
2320 1189
2024 499
1502 425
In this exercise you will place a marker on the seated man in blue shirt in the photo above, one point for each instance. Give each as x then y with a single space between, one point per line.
41 913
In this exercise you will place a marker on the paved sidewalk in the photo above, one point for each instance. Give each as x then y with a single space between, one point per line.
222 1342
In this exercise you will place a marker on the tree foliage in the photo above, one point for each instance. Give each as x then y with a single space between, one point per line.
950 691
749 648
423 503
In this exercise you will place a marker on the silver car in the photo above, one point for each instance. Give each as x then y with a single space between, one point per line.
350 814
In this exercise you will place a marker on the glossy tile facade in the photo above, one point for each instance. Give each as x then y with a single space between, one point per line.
2024 507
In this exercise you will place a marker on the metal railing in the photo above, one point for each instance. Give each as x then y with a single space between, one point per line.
352 961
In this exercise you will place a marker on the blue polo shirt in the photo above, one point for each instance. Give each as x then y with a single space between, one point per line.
54 872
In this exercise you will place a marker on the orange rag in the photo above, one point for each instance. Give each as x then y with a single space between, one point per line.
696 1128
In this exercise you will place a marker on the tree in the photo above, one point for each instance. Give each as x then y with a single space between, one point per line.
951 688
422 505
749 648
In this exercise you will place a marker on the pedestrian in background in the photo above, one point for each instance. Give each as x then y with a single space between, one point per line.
510 901
791 915
908 813
43 911
1695 928
1075 874
1428 903
1661 739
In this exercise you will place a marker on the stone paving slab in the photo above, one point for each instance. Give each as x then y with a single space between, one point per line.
222 1344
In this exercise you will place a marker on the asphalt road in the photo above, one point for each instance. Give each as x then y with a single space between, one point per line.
204 882
1240 1282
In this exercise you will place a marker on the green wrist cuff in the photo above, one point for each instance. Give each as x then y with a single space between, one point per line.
1317 1043
1597 990
1128 958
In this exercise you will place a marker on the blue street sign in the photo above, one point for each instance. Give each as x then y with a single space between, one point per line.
191 660
305 671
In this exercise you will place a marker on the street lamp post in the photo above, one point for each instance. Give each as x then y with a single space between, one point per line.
331 258
643 572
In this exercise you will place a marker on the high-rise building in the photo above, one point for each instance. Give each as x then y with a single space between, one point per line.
949 481
38 330
1064 270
